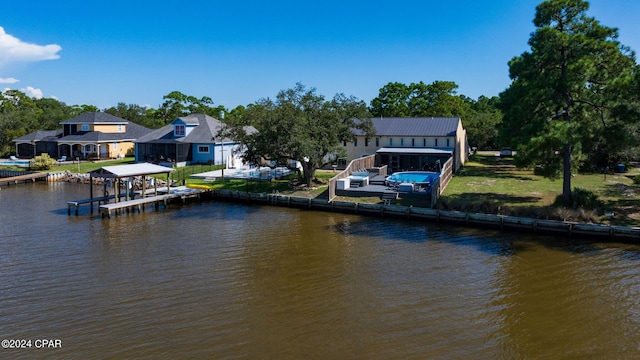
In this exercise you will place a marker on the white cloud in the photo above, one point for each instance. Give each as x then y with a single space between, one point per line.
8 80
13 50
32 92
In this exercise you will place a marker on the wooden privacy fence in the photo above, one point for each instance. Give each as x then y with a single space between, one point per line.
366 162
445 175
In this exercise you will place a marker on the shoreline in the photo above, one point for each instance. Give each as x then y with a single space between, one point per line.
493 221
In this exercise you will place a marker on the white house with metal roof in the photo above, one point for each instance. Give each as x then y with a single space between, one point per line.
418 143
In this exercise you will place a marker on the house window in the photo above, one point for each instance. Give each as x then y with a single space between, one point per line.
85 127
119 128
447 142
366 142
402 142
424 142
436 143
390 141
203 149
355 141
179 130
413 142
344 143
377 142
115 146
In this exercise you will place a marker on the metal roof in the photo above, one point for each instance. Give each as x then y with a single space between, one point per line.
414 126
130 170
408 150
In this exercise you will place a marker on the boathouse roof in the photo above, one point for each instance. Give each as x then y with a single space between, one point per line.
118 171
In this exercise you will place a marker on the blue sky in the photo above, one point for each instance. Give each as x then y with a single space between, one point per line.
237 52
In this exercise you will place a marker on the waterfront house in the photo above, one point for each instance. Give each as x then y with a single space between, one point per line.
418 143
192 139
92 135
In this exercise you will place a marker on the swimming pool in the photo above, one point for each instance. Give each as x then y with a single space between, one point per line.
14 162
417 177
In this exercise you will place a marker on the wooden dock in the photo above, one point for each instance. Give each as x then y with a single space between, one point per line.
131 205
182 192
76 203
14 180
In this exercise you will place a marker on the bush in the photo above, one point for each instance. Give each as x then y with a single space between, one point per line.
581 198
42 162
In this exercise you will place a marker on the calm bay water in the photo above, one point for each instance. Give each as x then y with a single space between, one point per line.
224 281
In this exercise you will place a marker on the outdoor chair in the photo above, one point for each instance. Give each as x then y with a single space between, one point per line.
13 158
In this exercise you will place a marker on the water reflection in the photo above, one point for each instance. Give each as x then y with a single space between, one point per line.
224 280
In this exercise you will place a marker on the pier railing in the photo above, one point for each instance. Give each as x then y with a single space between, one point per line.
12 173
8 177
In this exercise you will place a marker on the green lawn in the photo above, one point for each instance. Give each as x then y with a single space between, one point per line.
486 184
492 184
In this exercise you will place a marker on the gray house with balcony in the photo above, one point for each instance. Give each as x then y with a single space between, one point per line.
191 139
91 135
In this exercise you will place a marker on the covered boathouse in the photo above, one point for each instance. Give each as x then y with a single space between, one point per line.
118 174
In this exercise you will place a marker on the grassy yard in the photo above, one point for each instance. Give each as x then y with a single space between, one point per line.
283 186
491 184
486 184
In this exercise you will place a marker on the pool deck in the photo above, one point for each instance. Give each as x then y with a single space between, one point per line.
247 174
376 187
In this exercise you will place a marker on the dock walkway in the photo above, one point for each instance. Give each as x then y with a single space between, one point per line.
14 180
77 203
107 209
181 192
105 199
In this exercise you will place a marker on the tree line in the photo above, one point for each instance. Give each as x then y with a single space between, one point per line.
573 104
21 115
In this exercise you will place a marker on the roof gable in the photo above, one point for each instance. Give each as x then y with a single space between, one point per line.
193 119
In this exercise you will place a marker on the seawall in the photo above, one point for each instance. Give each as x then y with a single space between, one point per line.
500 222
